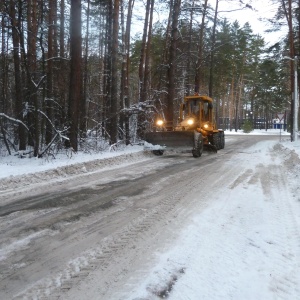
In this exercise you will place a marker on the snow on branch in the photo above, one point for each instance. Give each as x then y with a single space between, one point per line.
138 108
57 58
57 131
37 85
13 120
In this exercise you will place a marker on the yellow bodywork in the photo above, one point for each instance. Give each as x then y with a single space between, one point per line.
196 121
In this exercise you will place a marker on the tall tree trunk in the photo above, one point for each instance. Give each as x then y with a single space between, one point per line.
160 97
123 75
17 72
75 91
172 62
114 75
238 103
213 42
107 98
62 74
231 104
102 98
4 69
57 64
225 102
83 120
49 105
289 18
62 29
199 64
143 53
126 68
32 79
188 63
43 71
147 54
144 67
4 78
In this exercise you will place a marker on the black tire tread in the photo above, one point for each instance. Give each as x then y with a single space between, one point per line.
198 150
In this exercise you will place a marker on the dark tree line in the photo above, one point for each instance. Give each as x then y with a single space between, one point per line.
74 74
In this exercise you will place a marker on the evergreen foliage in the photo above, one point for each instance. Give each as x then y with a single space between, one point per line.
247 126
128 78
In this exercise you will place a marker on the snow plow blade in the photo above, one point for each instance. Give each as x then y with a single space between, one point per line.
168 140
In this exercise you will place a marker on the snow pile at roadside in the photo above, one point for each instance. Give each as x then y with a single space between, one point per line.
16 172
260 132
149 146
291 159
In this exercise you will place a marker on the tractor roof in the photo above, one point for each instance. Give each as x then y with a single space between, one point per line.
200 97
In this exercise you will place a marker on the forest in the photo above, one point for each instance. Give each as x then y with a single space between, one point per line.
90 74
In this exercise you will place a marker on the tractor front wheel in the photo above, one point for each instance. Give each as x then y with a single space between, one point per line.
216 141
198 149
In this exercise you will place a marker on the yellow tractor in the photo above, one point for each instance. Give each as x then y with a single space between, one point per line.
195 129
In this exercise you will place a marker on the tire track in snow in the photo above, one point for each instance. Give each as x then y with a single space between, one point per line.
113 246
284 282
260 257
123 239
168 209
285 241
241 178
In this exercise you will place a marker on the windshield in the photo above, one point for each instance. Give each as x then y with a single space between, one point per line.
192 108
205 116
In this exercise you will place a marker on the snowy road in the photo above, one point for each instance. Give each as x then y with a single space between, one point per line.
225 226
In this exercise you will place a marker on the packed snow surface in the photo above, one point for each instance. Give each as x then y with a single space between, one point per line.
238 238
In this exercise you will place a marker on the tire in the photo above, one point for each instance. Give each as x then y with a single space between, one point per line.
158 152
222 140
216 141
198 149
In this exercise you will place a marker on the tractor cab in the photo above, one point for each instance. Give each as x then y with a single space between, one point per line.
197 110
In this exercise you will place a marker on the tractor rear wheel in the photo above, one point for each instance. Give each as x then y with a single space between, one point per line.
216 141
222 140
198 149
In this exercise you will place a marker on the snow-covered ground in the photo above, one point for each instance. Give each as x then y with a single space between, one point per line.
244 245
14 166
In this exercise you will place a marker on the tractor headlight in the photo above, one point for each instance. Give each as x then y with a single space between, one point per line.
190 121
159 122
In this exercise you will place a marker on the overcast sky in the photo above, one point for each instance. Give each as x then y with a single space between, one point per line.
231 9
261 9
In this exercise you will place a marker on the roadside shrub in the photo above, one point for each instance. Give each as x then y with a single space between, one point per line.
247 126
